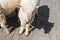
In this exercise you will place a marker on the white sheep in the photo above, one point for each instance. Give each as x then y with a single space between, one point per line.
6 8
26 14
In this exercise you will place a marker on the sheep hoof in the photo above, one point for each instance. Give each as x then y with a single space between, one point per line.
8 32
26 34
21 30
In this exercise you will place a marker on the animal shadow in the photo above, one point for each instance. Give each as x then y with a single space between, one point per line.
41 20
13 22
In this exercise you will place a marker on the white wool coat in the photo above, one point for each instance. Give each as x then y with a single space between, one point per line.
8 5
26 12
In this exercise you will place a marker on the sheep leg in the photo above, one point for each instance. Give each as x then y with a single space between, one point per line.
3 23
22 20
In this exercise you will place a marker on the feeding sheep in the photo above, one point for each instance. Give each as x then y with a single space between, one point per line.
26 14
